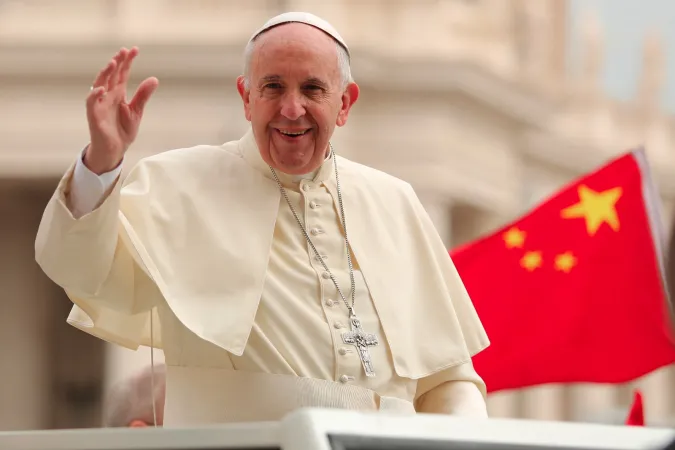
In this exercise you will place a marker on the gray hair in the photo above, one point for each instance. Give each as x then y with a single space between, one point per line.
131 399
344 64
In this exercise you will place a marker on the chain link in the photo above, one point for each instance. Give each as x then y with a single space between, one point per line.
350 308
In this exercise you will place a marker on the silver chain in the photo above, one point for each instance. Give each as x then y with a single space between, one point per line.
350 308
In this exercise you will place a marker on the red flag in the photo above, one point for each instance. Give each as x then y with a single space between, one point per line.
574 291
636 415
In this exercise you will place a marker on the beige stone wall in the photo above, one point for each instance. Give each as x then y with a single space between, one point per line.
477 86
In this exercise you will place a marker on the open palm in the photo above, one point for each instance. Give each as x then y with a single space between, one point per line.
114 122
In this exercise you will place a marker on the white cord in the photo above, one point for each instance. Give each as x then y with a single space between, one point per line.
152 371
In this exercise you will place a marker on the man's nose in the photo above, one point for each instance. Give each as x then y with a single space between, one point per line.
292 106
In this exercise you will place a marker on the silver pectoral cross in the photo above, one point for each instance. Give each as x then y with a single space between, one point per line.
361 340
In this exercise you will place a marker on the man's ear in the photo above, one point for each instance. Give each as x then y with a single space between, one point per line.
138 424
245 96
349 97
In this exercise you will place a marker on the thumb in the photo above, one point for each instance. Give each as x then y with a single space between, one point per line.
143 94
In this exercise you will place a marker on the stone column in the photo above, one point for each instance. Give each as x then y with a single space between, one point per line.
503 405
26 315
658 396
543 403
592 400
439 209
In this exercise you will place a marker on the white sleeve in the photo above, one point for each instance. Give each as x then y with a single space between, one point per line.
459 398
88 189
458 390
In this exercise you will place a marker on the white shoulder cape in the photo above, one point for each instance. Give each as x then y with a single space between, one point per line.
195 227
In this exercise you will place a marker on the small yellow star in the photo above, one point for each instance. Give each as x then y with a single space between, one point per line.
596 208
531 260
514 237
565 262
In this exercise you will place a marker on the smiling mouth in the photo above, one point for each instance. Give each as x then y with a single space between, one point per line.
293 134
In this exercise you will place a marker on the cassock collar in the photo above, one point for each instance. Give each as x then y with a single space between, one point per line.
251 154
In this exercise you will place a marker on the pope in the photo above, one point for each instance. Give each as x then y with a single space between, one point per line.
274 273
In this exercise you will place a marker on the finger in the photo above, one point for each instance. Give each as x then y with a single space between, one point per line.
125 67
119 60
101 79
142 95
96 95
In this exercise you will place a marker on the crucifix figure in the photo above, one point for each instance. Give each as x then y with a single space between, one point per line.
361 340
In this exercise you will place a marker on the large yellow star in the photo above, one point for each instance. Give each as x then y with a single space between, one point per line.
565 262
514 237
596 208
531 260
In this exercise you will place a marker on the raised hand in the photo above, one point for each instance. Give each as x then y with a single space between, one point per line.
114 122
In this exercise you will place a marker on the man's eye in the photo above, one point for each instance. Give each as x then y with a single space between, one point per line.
273 86
313 87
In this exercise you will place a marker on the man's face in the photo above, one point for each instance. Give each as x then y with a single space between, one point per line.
296 96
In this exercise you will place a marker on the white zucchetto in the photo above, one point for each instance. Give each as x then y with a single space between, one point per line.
302 17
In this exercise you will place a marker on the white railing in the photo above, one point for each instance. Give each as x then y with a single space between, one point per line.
335 429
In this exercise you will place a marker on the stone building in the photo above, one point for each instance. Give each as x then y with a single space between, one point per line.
480 87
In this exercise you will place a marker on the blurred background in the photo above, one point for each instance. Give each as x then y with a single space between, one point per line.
485 106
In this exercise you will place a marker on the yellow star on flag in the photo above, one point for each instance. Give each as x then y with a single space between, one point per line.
565 262
514 238
531 260
596 208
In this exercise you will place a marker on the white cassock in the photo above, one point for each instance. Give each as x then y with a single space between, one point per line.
250 324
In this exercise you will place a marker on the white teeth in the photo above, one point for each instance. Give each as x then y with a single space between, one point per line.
288 133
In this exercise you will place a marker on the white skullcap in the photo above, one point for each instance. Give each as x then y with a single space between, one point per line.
302 17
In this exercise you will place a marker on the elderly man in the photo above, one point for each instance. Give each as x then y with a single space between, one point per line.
273 273
137 401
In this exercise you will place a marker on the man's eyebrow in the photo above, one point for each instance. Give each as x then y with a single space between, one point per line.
317 81
270 79
277 78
